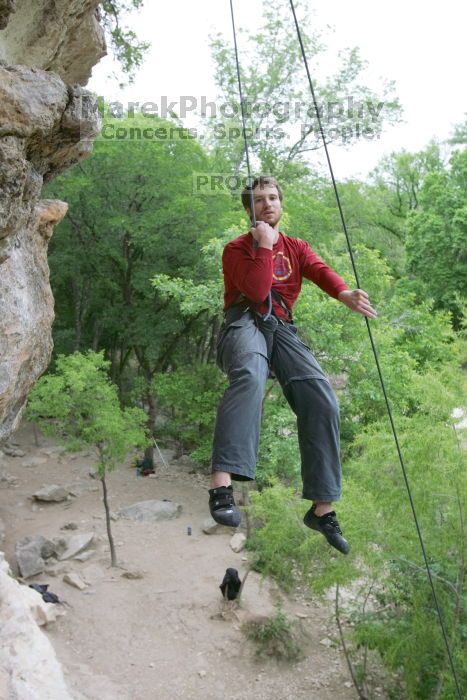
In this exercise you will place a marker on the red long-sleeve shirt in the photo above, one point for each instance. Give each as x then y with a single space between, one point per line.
253 271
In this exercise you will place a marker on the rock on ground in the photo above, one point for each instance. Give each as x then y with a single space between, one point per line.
237 543
33 462
52 492
12 451
75 580
210 527
75 544
151 511
31 553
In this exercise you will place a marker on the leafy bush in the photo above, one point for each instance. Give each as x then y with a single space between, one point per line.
279 456
402 625
191 395
78 404
276 636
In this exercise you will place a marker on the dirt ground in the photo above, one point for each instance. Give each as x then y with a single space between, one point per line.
159 637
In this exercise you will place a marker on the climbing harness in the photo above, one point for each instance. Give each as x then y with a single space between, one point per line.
373 346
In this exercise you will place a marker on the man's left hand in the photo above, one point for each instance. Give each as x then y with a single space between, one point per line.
358 301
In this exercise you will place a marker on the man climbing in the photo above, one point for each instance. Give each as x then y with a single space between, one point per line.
250 345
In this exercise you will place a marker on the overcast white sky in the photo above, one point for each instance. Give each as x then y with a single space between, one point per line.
418 44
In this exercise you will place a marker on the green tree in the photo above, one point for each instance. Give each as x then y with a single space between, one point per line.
403 173
127 48
437 236
133 214
79 405
281 123
460 134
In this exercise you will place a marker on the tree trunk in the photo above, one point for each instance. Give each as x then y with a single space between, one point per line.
152 416
77 314
246 503
96 336
215 326
113 554
36 435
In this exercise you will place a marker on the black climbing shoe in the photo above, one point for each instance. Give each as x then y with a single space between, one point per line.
329 527
223 508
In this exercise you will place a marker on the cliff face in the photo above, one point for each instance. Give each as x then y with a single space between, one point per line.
47 123
63 36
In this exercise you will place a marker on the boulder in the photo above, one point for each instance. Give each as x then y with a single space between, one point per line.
84 556
53 451
210 527
7 480
12 451
75 580
51 493
64 37
29 667
42 612
238 541
33 462
74 545
31 553
151 511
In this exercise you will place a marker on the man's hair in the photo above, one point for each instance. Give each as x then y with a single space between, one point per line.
262 181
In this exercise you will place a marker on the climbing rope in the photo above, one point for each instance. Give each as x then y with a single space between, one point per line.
245 145
375 354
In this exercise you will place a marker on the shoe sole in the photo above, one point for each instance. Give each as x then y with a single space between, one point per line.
229 519
341 547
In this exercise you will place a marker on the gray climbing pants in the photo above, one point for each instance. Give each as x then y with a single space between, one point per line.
247 349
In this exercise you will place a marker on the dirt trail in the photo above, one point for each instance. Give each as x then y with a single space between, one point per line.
157 637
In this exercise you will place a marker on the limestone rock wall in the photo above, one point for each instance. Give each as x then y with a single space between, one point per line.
45 126
47 123
28 664
63 36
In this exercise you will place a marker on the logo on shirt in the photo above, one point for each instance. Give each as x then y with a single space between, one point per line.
282 268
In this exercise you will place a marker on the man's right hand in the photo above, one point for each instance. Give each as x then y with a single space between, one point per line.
264 234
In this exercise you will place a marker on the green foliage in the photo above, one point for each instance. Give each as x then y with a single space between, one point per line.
273 79
278 451
79 405
190 396
401 624
404 629
283 548
132 216
126 47
437 236
425 333
403 173
408 333
277 637
460 134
